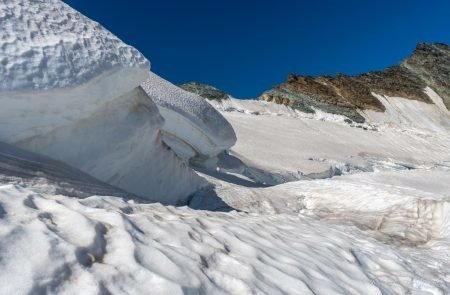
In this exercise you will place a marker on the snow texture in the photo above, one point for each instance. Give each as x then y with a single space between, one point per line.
45 44
192 123
357 235
57 66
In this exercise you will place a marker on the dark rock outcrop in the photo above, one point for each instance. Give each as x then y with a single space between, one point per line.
431 62
206 91
429 65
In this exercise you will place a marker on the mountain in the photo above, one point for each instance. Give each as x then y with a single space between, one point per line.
429 65
205 91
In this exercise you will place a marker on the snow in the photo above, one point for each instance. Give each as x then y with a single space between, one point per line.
122 245
412 115
57 67
191 123
301 204
382 232
121 145
49 176
70 91
48 45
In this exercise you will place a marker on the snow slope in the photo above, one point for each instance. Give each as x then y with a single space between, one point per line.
70 91
192 127
409 114
277 144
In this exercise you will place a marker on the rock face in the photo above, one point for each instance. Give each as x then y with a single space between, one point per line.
429 65
431 62
206 91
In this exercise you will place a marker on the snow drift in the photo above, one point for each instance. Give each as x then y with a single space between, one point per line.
70 90
193 128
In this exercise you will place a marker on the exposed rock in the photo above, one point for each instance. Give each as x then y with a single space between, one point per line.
206 91
429 65
431 62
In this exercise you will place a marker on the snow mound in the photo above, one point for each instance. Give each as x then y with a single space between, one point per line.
47 45
121 144
192 125
70 91
58 66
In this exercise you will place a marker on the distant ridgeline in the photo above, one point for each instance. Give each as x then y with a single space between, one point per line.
205 91
429 65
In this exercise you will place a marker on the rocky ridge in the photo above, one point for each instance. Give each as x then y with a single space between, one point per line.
205 91
429 65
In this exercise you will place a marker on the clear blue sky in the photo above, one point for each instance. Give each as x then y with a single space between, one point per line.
245 47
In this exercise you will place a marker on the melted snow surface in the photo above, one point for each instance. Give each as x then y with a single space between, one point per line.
57 67
45 44
190 118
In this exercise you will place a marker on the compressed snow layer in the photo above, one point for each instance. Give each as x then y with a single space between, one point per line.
190 117
45 44
120 144
26 114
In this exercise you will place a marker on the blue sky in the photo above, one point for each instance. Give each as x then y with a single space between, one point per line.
245 47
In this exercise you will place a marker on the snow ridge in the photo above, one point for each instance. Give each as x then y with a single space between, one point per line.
205 129
45 44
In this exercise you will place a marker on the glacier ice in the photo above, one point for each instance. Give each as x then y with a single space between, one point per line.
192 127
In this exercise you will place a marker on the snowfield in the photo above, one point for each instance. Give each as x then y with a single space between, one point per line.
125 246
382 232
